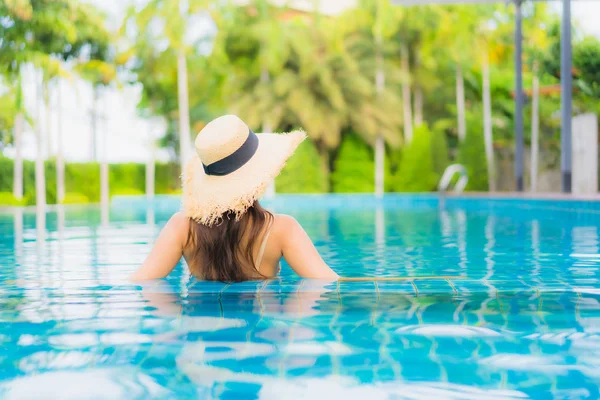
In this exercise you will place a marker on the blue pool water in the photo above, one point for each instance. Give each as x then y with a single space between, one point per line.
522 321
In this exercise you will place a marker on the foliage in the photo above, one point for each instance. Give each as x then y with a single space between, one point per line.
7 199
439 151
354 167
281 68
154 33
75 198
82 180
305 172
392 168
8 113
167 178
471 153
586 58
287 73
416 172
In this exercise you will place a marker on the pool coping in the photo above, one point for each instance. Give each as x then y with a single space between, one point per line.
448 195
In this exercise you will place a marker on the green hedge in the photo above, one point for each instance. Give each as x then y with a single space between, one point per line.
167 178
304 172
471 153
354 167
82 181
416 172
413 168
439 151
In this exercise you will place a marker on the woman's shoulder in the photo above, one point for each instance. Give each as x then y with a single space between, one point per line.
179 225
179 219
284 223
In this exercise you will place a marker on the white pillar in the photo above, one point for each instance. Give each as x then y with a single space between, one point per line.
585 154
267 128
150 166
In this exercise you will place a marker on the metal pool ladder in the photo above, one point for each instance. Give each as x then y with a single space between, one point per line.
449 173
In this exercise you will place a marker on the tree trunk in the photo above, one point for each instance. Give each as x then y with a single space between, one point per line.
40 179
18 167
94 141
104 184
184 109
379 141
150 168
60 162
418 95
406 103
48 109
418 105
267 128
18 132
487 126
460 104
535 127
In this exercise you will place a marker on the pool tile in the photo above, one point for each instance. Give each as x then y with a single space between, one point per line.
464 286
509 287
311 285
206 287
357 287
279 287
246 287
402 287
434 287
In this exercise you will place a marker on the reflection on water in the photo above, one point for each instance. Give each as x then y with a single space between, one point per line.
232 344
523 323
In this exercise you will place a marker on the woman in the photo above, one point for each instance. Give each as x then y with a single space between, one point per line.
223 232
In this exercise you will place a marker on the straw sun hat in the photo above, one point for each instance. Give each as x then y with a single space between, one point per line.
232 168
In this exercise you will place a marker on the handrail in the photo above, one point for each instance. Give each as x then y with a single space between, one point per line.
449 174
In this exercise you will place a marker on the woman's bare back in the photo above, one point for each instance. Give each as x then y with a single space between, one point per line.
284 237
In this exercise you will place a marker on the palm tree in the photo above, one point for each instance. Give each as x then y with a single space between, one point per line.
487 122
18 134
14 59
535 127
368 32
60 161
55 32
100 74
167 22
40 179
315 79
537 43
406 102
385 18
418 32
99 70
455 34
491 48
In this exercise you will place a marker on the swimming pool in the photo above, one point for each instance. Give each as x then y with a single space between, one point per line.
523 321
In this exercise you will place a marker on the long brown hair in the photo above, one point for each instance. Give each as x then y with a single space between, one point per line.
225 252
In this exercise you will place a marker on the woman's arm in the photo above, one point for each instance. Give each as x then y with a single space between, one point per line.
167 250
300 252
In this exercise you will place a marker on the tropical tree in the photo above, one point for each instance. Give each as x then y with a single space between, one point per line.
160 32
456 36
419 27
369 30
536 44
45 34
35 32
315 80
492 50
